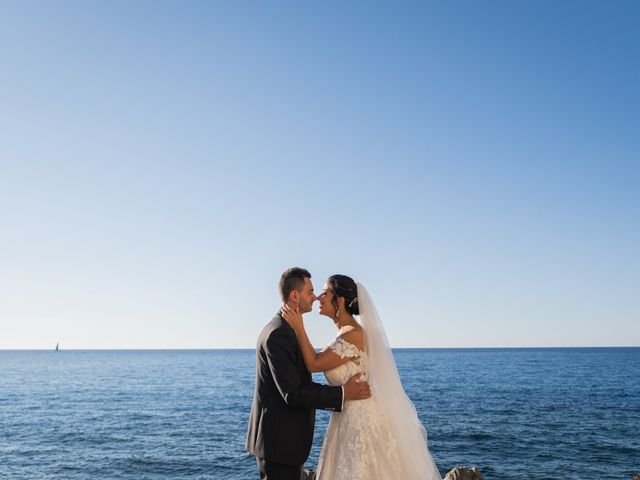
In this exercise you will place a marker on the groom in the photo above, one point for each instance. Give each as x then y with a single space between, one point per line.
283 411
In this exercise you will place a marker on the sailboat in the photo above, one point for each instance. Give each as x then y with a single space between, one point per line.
57 346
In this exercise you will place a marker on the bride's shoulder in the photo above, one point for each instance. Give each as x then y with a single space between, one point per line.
354 337
346 345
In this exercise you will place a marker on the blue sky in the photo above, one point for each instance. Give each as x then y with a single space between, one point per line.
475 164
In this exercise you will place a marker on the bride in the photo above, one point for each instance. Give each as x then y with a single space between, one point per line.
376 439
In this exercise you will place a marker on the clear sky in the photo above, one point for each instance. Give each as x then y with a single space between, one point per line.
475 164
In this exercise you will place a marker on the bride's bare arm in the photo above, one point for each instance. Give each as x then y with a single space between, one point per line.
314 361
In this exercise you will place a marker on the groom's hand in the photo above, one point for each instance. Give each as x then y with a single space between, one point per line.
356 390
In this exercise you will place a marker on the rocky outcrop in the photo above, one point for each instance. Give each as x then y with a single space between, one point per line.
458 473
464 473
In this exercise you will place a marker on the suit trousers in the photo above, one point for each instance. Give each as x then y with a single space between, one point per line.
278 471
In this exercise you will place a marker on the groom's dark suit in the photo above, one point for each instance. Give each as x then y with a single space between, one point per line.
283 411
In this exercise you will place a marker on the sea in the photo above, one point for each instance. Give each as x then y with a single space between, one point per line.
535 413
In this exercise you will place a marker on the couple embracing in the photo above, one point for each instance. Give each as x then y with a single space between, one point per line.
374 432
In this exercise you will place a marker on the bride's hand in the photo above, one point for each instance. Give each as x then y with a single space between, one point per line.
293 317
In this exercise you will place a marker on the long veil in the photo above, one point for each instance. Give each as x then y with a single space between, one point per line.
387 391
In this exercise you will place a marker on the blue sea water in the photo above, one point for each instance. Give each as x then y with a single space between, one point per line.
515 413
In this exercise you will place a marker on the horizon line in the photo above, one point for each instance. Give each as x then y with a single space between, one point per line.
17 349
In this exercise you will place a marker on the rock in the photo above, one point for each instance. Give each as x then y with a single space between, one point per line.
636 476
464 473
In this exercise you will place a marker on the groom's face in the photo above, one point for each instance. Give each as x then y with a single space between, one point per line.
306 297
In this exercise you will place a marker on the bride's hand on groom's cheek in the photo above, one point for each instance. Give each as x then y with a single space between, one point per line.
293 317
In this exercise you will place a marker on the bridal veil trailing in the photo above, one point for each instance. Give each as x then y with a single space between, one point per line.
387 391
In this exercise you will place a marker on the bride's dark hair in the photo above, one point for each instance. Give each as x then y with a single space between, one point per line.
343 286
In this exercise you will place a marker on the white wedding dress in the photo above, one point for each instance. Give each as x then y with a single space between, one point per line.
380 438
357 444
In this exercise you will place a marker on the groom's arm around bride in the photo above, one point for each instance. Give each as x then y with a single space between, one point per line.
283 359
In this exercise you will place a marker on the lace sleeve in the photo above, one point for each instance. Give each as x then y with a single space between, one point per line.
344 349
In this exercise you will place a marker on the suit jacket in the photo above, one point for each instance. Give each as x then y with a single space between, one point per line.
284 402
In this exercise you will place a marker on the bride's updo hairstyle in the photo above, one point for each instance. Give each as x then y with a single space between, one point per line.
343 286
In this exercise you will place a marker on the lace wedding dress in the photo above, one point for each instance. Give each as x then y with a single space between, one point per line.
357 444
380 438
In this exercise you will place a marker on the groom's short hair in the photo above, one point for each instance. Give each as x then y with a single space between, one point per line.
292 279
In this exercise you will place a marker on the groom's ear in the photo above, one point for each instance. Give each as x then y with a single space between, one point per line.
294 296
